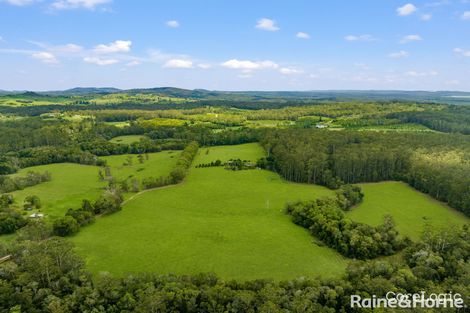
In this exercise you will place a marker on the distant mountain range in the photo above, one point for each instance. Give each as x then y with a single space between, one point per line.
338 95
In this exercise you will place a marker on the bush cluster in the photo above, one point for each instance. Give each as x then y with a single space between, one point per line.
9 184
326 220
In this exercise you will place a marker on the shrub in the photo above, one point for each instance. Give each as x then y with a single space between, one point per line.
65 226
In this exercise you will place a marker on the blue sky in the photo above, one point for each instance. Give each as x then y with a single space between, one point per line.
235 45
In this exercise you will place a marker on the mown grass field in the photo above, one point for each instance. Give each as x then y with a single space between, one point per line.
118 124
269 123
405 127
249 151
126 140
228 222
410 209
157 164
70 184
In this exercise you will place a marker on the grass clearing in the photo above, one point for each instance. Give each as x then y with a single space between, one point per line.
228 222
402 127
157 164
410 209
70 184
118 124
269 123
127 140
248 151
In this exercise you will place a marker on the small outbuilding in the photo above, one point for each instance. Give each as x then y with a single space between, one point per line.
36 215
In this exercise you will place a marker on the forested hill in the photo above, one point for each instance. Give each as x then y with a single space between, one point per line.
450 97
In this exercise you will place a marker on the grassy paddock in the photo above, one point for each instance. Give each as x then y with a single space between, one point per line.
157 164
230 223
249 151
127 140
410 208
69 185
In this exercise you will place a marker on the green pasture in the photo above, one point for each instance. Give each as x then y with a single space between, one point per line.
70 184
127 140
228 222
153 165
410 209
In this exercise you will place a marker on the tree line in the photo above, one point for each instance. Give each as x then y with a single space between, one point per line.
178 173
9 183
453 119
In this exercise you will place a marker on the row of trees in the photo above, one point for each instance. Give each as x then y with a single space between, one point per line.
184 162
9 184
433 163
44 274
178 173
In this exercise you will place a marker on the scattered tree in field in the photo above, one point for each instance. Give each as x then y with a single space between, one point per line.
349 196
135 185
109 202
65 226
6 200
32 202
128 161
107 171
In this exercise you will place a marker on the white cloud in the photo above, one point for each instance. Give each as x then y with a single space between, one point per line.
20 2
359 38
133 63
249 65
100 61
302 35
158 56
77 4
204 66
421 74
114 47
289 71
465 15
398 55
426 17
464 53
407 9
173 24
68 48
178 63
410 38
267 24
45 57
